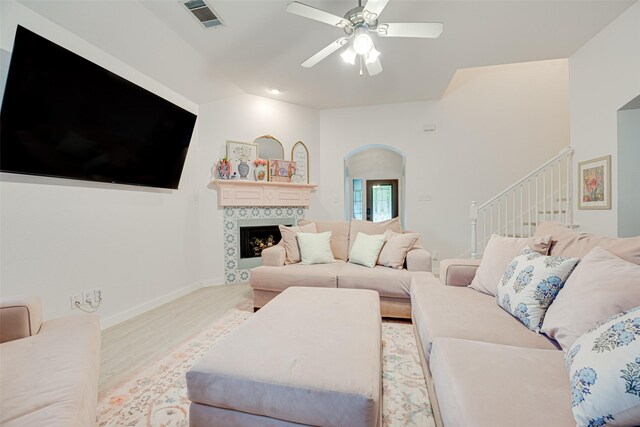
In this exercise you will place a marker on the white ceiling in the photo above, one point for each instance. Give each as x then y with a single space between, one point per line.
262 46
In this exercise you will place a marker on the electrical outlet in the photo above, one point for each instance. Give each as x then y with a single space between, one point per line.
97 295
87 297
74 299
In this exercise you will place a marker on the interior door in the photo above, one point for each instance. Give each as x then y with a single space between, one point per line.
382 199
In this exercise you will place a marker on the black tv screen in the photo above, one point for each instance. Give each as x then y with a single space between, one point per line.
64 116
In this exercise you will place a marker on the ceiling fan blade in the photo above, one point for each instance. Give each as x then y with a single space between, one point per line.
429 30
375 7
310 12
324 52
374 67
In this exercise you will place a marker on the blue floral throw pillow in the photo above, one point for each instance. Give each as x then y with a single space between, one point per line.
604 368
530 284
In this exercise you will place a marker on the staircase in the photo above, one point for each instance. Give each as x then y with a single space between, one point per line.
546 194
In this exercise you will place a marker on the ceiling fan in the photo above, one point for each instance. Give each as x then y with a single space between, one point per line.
359 24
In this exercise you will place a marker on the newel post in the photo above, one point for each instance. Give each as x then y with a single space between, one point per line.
473 215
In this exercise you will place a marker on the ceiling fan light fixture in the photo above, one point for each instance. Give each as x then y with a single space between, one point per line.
349 55
371 56
362 43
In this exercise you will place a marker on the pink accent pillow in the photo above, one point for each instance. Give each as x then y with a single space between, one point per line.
568 242
290 240
395 249
498 254
601 285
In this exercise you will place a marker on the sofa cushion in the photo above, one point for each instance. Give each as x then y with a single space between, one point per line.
460 312
280 278
387 281
290 240
500 251
601 285
51 379
530 284
339 236
568 242
315 248
366 249
604 367
396 247
368 227
485 384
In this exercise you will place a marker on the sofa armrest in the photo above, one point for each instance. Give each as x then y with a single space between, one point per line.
20 317
273 256
458 272
418 259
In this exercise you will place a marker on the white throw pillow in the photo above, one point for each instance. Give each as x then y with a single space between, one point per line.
497 255
366 248
604 368
530 284
315 248
290 240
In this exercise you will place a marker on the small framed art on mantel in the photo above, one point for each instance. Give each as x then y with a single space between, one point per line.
241 155
594 183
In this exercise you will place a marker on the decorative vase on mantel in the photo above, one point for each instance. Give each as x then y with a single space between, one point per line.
243 169
260 173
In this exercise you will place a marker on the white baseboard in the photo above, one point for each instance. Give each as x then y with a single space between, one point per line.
156 302
218 281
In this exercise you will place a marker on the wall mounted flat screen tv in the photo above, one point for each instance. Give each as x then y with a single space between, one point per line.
64 116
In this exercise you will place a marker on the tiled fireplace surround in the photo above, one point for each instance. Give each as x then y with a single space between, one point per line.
237 269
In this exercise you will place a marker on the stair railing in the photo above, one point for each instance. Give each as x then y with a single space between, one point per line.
545 194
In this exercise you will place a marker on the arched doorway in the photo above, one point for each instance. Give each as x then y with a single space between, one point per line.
374 183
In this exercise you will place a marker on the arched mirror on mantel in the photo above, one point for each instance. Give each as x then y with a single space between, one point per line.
269 147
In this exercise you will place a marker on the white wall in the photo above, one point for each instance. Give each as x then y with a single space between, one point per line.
59 237
494 125
604 75
243 118
628 173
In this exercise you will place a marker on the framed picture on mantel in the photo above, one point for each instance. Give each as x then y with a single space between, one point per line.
300 155
594 180
241 155
281 170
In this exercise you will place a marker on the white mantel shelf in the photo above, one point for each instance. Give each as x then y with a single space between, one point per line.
236 192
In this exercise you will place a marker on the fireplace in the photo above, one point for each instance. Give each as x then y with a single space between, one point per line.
242 226
254 239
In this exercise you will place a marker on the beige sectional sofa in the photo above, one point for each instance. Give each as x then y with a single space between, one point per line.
482 366
393 285
49 370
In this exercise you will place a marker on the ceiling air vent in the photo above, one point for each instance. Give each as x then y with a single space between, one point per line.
203 13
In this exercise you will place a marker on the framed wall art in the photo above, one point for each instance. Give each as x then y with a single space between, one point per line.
594 183
281 170
241 155
300 155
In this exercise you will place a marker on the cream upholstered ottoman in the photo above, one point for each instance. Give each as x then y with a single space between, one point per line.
311 356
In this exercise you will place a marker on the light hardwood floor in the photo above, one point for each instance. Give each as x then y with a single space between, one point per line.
135 343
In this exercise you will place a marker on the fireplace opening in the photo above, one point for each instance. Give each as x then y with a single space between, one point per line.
254 239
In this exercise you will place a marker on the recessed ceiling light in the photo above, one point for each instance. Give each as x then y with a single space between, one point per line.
274 91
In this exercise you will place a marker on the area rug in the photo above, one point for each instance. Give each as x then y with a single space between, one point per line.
157 395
